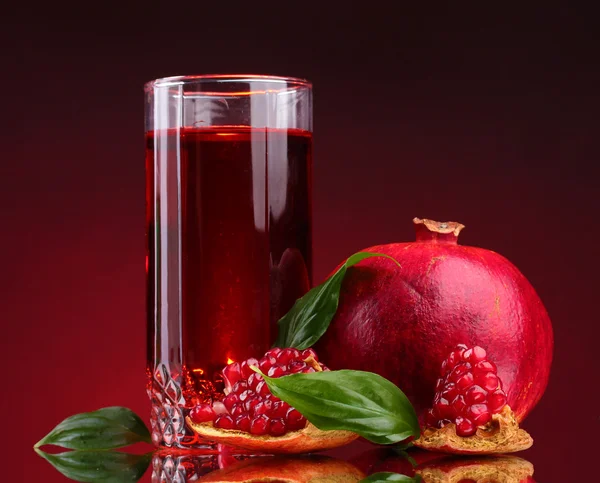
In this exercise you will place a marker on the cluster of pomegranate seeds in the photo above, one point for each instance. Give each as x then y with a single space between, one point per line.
468 393
249 405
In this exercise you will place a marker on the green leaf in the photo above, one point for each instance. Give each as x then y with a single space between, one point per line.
107 428
99 466
310 316
361 402
377 477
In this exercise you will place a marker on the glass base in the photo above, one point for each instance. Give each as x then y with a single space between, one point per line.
168 413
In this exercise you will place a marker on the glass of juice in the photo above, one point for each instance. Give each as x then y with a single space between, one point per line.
228 214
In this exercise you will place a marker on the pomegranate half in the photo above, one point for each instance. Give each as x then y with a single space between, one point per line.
249 416
402 322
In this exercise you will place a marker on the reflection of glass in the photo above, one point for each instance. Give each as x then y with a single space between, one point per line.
228 175
182 467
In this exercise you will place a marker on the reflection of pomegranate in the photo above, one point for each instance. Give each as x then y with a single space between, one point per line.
250 417
402 322
299 469
500 468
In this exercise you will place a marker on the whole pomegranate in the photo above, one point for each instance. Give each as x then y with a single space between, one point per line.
402 322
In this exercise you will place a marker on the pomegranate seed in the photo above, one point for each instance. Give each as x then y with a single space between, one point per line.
202 413
219 408
231 374
280 409
308 370
262 389
251 402
442 408
259 425
230 400
237 410
273 352
297 366
266 363
246 394
245 368
242 423
443 422
458 371
253 380
464 427
430 418
306 353
479 414
239 387
468 393
439 384
458 405
497 401
475 354
276 371
485 366
465 381
453 359
489 381
224 422
288 355
263 407
450 391
295 420
277 427
475 395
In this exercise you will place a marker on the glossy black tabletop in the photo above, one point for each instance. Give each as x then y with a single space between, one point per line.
351 463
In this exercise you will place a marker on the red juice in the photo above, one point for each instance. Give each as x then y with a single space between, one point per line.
232 246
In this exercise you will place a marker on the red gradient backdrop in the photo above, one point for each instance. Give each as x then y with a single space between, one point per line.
485 117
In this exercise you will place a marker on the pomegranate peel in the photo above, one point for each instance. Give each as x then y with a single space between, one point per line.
499 469
305 440
501 435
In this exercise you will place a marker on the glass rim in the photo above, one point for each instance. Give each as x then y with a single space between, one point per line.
205 78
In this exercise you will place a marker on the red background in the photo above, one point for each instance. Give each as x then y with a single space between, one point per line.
485 117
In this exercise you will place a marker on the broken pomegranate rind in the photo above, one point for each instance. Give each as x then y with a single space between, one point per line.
288 470
501 435
499 469
305 440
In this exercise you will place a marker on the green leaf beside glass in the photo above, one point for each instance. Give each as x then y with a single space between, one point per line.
107 428
311 315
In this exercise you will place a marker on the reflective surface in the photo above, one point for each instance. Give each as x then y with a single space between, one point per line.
348 464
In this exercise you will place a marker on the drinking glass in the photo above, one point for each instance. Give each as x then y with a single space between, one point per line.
228 204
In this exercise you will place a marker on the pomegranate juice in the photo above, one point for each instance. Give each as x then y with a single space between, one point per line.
231 245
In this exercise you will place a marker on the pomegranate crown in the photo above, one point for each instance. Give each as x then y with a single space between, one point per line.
437 231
